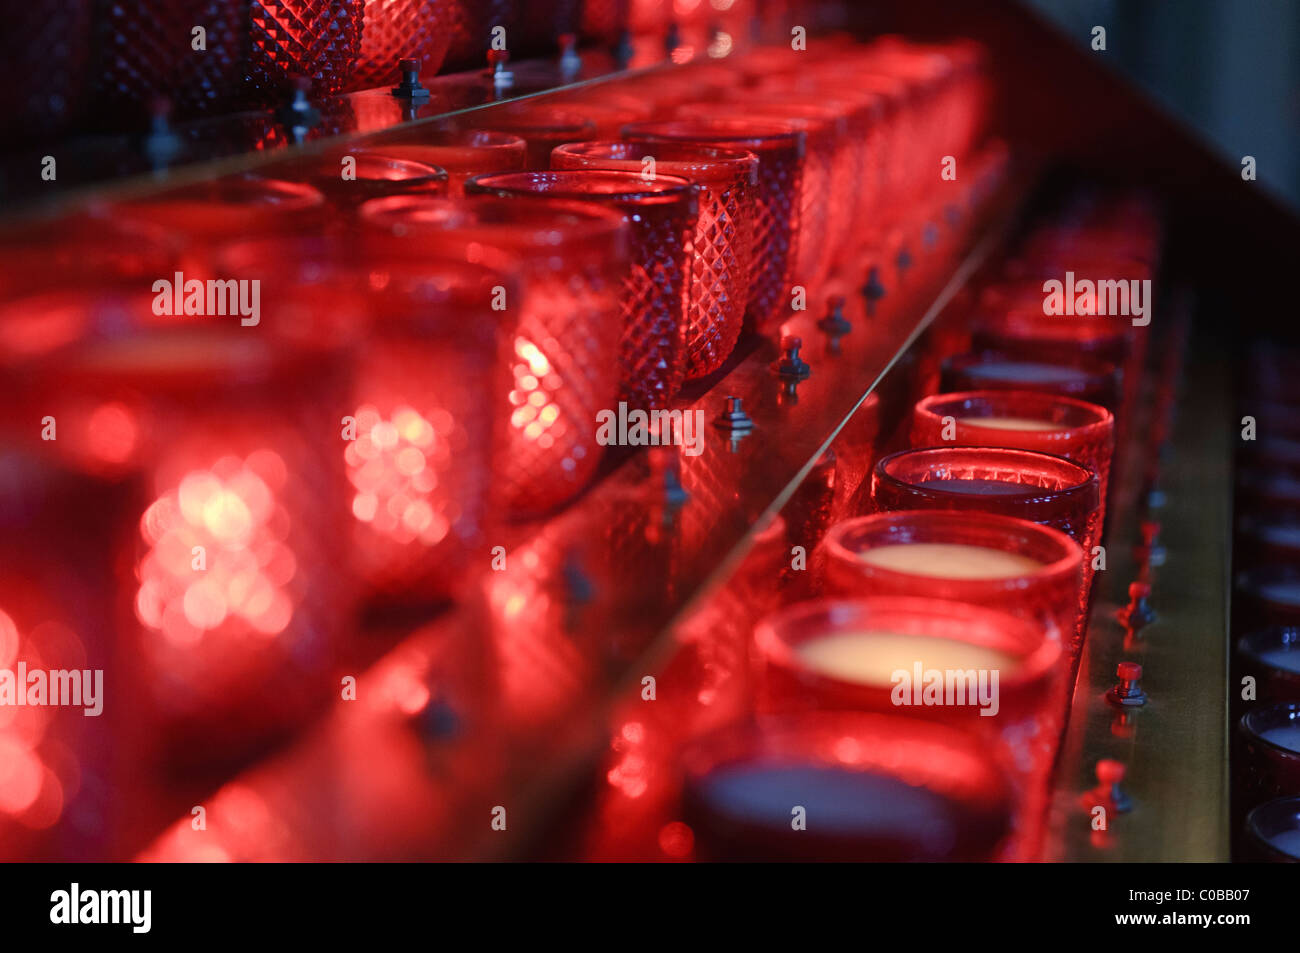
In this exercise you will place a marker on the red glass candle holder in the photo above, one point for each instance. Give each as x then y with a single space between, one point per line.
725 179
1273 832
84 249
143 53
883 786
401 29
1272 655
777 198
233 601
202 217
1021 420
1011 565
997 675
464 153
1091 381
572 258
316 39
662 214
821 221
542 125
419 452
1032 486
1269 755
373 174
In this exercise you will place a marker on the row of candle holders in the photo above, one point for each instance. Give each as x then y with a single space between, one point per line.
970 552
251 411
1264 683
114 61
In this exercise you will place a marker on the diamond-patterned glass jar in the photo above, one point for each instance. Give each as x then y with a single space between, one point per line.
823 218
721 265
777 198
661 211
1022 420
318 39
572 258
400 29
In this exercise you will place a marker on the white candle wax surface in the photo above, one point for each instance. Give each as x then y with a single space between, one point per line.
950 560
872 657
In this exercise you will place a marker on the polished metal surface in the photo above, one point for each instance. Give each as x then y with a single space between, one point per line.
1173 748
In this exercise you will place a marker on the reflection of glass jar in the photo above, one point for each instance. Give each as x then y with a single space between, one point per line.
571 258
1272 655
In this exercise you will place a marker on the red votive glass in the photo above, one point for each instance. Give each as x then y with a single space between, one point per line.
571 258
875 788
720 269
995 674
821 221
777 198
1012 565
464 153
1091 381
1269 755
373 174
1032 486
203 216
418 454
1273 832
542 125
233 597
661 212
400 29
1272 655
1022 420
316 39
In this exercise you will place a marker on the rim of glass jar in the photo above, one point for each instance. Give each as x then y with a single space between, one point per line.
1089 421
457 148
816 738
1254 644
1261 815
711 165
410 173
567 185
241 200
779 634
1081 482
758 136
1274 716
317 255
541 226
842 544
1097 374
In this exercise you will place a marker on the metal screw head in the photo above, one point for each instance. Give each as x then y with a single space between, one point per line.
1128 693
791 365
734 419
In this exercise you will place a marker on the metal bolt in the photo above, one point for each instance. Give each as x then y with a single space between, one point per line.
497 60
570 61
734 419
1151 552
791 365
1128 693
409 87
